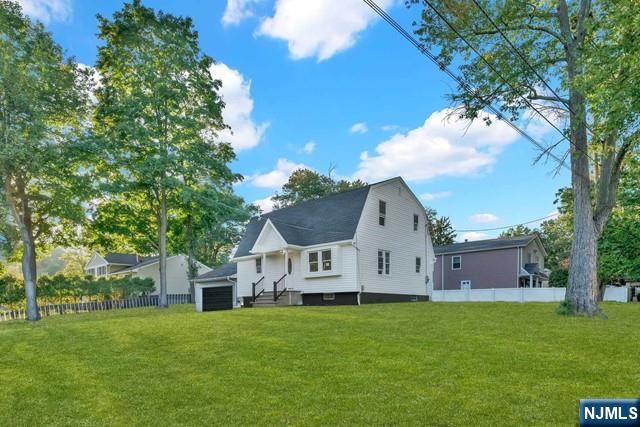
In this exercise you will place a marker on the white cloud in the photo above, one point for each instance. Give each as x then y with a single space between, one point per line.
360 127
236 92
237 11
309 147
473 235
266 204
389 128
277 177
427 197
483 218
319 28
441 146
47 10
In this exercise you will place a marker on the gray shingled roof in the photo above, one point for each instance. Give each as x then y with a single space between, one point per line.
146 261
485 245
329 219
124 259
221 272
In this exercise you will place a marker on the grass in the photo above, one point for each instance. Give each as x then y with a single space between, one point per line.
420 363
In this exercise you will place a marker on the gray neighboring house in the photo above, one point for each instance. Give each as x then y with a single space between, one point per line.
512 262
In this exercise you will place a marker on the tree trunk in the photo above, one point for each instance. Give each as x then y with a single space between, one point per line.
21 212
193 270
162 237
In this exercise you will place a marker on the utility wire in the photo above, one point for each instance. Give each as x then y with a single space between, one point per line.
509 226
464 85
524 58
479 54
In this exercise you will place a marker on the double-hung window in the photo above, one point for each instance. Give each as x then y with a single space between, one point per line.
384 262
418 264
416 221
382 212
456 262
102 270
258 265
320 261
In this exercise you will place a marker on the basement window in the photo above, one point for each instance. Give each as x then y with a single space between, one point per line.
328 297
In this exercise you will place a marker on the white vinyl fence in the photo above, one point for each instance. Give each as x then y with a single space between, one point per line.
612 293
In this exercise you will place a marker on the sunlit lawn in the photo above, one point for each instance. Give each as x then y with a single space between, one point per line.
412 363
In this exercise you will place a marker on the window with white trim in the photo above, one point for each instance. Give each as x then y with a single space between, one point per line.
101 271
258 265
465 285
313 262
384 262
326 260
416 221
456 262
418 264
382 212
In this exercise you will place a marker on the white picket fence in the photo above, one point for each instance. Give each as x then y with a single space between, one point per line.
612 293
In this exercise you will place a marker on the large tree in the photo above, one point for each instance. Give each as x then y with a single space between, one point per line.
305 184
43 111
579 60
158 114
440 228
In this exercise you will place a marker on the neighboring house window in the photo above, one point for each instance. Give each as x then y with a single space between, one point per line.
465 285
91 272
416 220
258 265
384 262
313 262
382 212
456 262
102 270
418 264
326 260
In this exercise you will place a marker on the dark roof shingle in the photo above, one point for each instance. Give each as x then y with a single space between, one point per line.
485 245
221 272
124 259
329 219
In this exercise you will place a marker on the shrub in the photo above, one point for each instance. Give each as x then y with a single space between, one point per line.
559 278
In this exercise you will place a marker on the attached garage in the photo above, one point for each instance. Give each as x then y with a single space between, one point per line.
216 290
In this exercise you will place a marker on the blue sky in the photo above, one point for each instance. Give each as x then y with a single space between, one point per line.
325 83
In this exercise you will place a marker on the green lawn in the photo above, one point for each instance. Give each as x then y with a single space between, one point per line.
412 363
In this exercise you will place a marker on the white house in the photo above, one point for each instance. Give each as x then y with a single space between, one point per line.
116 264
365 245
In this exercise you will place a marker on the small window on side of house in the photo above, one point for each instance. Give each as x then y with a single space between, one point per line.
258 265
416 221
465 285
418 264
328 297
313 262
289 266
456 262
382 212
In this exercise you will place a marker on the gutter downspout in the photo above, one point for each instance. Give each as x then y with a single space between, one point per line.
358 283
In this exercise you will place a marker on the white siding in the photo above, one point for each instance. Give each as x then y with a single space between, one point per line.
533 253
246 276
177 274
269 240
342 279
95 262
396 236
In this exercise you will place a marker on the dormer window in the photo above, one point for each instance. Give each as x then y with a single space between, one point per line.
382 212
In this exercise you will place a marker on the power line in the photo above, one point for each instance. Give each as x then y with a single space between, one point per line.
524 58
509 226
479 54
464 85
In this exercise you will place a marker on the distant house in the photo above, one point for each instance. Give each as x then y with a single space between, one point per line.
117 264
496 263
365 245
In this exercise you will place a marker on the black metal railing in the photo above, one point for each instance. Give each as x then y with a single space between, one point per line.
280 283
258 288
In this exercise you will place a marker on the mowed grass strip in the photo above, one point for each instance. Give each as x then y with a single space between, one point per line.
412 363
